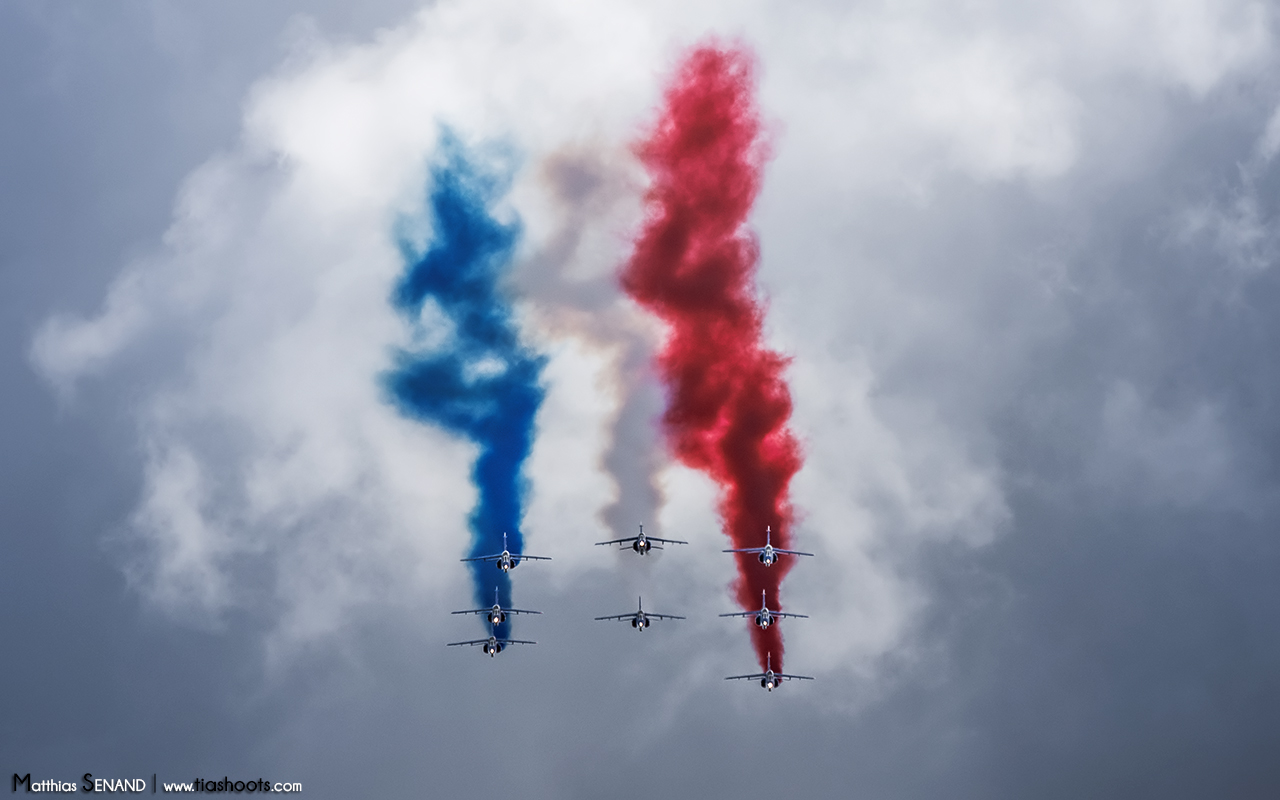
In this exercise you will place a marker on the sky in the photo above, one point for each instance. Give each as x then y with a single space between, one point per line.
1022 259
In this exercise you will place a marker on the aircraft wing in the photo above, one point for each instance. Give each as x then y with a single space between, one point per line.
786 614
494 557
666 541
525 641
661 616
787 677
632 615
468 642
619 541
791 552
756 676
516 557
761 550
474 611
522 611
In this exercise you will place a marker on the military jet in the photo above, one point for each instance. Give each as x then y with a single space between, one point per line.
643 543
506 561
769 679
496 613
764 617
768 554
492 646
640 619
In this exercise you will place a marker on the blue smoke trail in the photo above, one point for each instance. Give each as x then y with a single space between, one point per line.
473 377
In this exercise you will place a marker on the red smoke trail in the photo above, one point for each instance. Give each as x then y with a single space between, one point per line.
694 266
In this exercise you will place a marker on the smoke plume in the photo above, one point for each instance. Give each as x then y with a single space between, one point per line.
694 267
467 369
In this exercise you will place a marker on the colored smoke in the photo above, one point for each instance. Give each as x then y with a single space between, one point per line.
589 192
468 371
694 267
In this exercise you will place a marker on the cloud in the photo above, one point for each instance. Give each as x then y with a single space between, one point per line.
900 257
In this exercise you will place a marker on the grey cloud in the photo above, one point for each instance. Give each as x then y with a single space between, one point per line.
1061 334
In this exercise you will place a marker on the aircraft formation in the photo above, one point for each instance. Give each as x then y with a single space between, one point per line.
642 543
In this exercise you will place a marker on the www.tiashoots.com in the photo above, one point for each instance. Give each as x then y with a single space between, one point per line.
138 785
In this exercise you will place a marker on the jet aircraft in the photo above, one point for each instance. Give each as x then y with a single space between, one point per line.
506 560
764 617
769 679
492 646
496 613
768 554
640 618
643 543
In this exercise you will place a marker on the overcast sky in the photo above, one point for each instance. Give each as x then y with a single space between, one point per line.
1023 257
